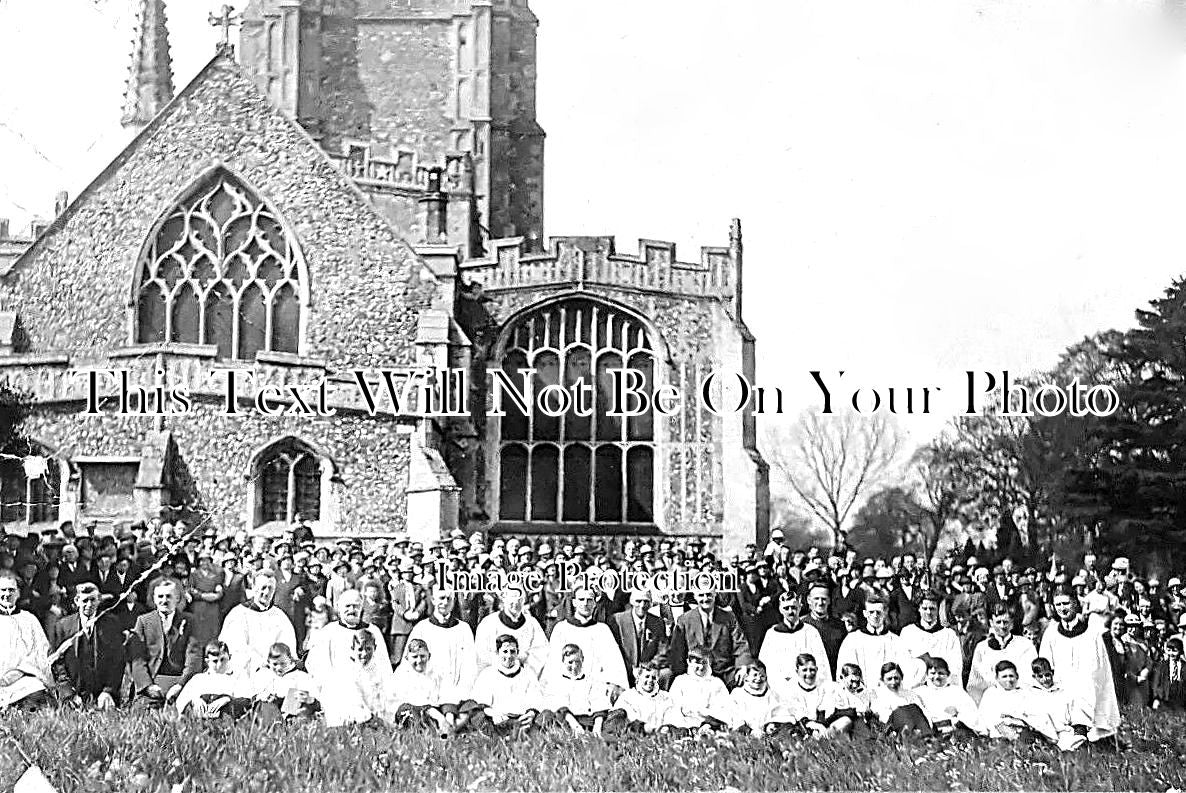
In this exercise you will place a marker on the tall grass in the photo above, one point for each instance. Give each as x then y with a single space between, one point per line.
123 751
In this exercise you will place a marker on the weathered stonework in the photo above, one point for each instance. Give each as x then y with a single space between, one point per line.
368 290
337 120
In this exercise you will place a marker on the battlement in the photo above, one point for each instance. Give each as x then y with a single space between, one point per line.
405 172
594 260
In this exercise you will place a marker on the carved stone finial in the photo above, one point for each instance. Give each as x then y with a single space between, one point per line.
150 77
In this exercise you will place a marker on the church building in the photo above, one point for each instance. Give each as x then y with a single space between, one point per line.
358 186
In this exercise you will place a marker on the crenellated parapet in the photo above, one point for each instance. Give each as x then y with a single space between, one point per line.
511 264
406 171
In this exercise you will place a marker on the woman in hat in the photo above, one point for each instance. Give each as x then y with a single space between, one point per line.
206 591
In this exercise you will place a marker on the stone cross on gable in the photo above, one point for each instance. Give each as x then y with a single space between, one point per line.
225 19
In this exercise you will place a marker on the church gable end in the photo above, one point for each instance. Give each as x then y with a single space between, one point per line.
79 288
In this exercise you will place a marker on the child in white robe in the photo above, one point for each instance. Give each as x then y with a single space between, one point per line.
581 701
898 707
217 691
851 705
644 706
282 688
807 698
1052 712
1004 705
700 699
945 704
758 707
356 694
509 693
415 695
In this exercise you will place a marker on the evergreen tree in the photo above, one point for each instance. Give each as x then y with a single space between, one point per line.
1135 487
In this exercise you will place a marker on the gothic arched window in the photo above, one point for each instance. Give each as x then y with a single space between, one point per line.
221 270
592 469
288 483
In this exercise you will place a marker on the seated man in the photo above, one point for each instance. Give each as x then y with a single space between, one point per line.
282 689
757 707
165 653
508 692
415 694
645 705
581 701
90 669
700 699
24 651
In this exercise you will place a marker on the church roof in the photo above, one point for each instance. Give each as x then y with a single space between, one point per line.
150 76
222 61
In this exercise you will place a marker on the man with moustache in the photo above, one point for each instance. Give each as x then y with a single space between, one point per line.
789 639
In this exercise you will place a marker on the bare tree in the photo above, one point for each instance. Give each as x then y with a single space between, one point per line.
832 462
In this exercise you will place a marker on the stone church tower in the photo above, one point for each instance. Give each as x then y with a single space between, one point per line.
362 189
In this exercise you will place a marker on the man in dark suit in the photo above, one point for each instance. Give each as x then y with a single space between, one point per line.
831 629
91 670
715 630
903 602
164 652
640 635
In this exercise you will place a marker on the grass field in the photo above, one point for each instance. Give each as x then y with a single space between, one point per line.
96 752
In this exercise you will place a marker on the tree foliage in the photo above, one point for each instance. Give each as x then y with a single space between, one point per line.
1133 483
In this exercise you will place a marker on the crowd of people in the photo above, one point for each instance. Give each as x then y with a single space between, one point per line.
809 643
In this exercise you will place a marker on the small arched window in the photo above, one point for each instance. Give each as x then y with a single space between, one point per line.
288 483
221 270
30 487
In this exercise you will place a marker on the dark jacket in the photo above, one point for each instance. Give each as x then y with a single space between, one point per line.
723 638
91 665
149 647
653 645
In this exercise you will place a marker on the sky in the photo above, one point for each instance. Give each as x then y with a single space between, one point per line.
925 186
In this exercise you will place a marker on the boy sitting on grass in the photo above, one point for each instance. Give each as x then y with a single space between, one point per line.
850 706
1052 713
644 706
582 703
510 695
701 701
949 707
758 708
1004 705
415 694
807 699
283 690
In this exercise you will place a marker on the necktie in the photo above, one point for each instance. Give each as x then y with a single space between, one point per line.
638 631
1176 672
